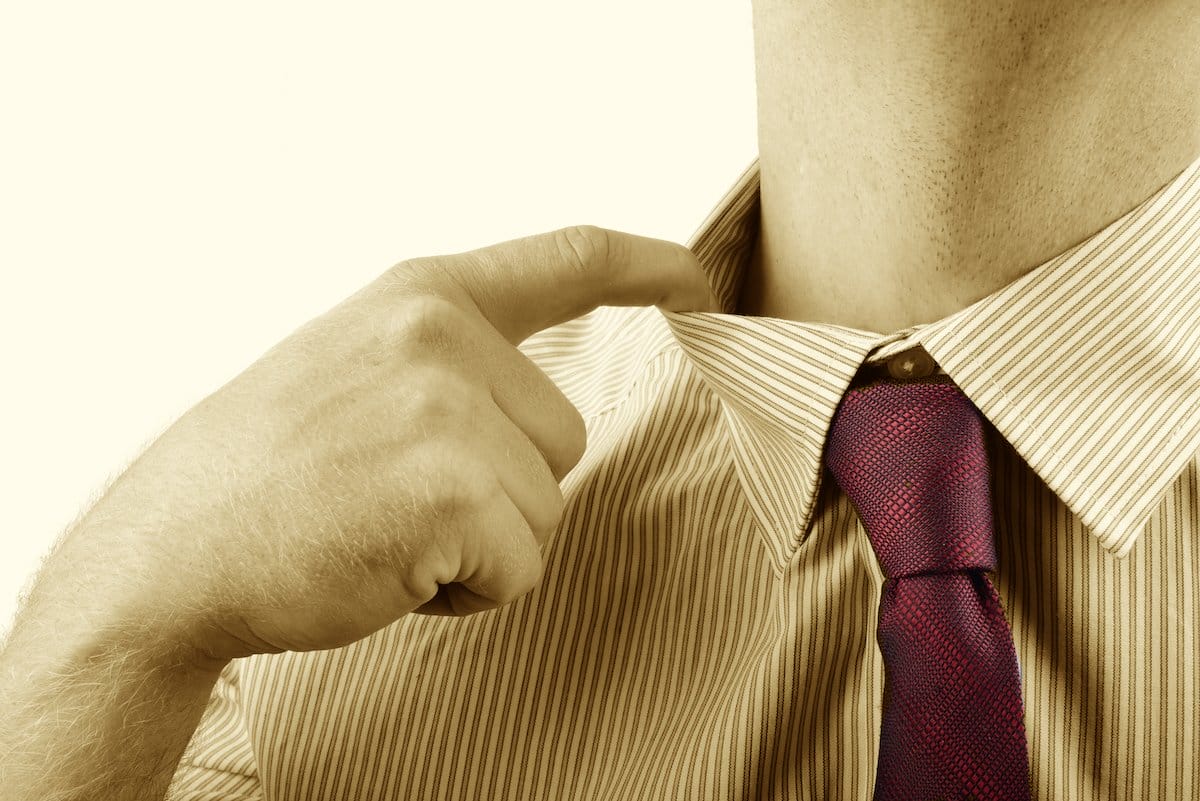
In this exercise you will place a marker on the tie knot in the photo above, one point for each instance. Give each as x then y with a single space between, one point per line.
912 460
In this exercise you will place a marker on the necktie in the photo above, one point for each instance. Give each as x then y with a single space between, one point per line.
912 460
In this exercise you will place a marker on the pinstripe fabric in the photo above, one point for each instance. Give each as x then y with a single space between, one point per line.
705 628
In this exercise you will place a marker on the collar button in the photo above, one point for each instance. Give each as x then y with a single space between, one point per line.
910 364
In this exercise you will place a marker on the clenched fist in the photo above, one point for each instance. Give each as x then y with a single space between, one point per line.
396 454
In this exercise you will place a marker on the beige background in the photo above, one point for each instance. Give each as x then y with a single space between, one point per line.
183 185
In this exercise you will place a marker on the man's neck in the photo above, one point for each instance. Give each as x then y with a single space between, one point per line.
916 161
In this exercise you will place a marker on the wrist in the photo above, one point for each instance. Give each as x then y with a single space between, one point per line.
96 709
97 599
54 639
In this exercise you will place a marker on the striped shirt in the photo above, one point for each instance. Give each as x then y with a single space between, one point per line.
705 626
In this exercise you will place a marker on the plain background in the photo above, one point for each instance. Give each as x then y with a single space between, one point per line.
181 186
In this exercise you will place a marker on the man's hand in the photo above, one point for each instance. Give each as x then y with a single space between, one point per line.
397 453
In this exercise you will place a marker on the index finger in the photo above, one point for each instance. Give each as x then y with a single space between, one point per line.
522 286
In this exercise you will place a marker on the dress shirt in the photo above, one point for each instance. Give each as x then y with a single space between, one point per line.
705 626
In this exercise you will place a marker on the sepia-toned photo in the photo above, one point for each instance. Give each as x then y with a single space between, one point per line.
758 400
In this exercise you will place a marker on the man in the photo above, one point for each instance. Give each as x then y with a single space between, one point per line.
990 207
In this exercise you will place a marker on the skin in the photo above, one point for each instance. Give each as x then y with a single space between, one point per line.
917 159
980 141
397 454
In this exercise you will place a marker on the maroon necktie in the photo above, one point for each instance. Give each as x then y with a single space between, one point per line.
911 458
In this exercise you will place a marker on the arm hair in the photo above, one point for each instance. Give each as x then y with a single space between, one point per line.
93 704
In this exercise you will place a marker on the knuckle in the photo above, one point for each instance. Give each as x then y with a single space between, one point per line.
456 487
427 322
526 575
409 278
570 442
544 522
411 272
433 393
575 436
582 247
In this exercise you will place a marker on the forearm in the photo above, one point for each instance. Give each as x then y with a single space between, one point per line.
94 701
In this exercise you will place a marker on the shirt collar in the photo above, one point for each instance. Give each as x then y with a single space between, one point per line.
1099 345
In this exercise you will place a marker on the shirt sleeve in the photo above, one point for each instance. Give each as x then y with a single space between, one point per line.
219 763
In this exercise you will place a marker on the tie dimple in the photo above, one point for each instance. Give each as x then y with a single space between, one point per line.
911 458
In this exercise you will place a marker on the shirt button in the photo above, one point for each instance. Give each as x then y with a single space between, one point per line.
912 363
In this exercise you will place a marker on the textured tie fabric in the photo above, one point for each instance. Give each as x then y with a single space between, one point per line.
911 458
